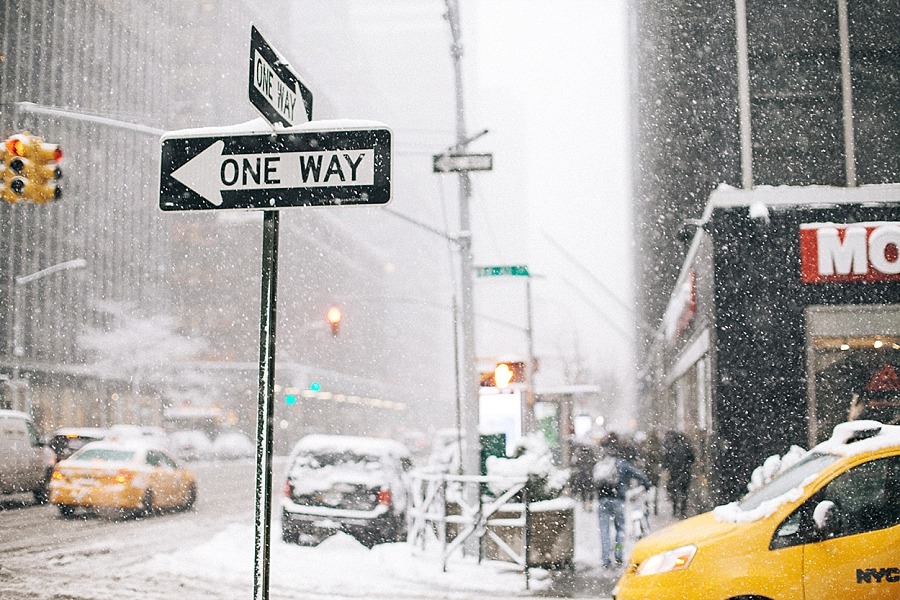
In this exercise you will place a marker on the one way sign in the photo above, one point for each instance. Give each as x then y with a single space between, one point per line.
275 170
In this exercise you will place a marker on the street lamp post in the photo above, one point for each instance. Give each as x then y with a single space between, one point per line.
20 282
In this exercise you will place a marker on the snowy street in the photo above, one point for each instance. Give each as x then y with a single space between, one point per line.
209 553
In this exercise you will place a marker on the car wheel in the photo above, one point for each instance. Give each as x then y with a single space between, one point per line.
66 510
191 498
41 495
289 535
146 505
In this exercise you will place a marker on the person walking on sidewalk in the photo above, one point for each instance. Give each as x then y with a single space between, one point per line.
612 476
678 459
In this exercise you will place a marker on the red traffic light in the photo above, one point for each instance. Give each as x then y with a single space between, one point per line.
17 144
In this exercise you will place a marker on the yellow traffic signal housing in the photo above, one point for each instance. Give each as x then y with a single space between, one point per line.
32 169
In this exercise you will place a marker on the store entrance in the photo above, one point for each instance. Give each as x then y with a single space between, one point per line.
853 365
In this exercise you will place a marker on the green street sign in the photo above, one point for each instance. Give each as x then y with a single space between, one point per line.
508 270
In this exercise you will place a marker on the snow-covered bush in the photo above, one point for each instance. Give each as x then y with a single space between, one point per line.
533 460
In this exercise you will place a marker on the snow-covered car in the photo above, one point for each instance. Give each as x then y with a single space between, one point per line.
66 441
354 484
149 434
828 526
190 445
129 476
233 445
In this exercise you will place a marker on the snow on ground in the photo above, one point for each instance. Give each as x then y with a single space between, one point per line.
342 567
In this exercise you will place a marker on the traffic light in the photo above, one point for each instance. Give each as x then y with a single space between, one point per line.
508 372
504 373
31 169
334 316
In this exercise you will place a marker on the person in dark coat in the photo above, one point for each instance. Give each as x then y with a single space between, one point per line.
583 458
650 460
612 476
678 459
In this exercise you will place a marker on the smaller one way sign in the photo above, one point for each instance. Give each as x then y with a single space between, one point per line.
275 89
275 170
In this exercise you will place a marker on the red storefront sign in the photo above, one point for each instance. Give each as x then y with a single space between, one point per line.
834 253
682 308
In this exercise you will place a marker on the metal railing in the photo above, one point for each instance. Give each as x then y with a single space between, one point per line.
448 510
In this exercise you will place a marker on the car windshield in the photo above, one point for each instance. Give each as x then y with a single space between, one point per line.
103 455
791 478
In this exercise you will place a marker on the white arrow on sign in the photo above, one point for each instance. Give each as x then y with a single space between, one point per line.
211 172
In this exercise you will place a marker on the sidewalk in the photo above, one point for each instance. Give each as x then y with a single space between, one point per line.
590 580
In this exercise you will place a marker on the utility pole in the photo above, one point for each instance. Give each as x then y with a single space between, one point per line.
471 457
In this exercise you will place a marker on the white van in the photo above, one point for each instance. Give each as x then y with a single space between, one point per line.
24 465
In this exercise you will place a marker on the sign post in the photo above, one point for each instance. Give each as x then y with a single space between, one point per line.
246 170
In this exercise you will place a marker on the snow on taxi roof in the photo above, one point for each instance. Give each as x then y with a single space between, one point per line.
855 437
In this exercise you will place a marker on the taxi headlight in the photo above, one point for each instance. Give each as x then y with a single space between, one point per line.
670 560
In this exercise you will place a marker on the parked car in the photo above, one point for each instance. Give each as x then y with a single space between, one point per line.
128 476
827 527
190 445
354 484
25 462
232 445
66 441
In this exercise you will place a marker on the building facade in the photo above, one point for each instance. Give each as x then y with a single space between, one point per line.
749 95
785 322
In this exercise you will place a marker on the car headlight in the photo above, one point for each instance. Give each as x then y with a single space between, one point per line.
670 560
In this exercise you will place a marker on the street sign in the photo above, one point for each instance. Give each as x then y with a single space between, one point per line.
275 90
508 270
449 163
256 170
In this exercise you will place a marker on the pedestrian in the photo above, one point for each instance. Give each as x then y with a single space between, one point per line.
650 461
678 459
612 476
583 459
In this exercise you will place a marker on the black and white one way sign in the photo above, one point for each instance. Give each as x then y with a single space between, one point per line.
275 170
275 90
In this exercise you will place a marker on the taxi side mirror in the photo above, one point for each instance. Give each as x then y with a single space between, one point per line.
826 518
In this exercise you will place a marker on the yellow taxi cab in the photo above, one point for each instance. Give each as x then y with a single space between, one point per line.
128 476
826 527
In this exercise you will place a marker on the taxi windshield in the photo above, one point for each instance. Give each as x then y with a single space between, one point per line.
788 480
104 455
